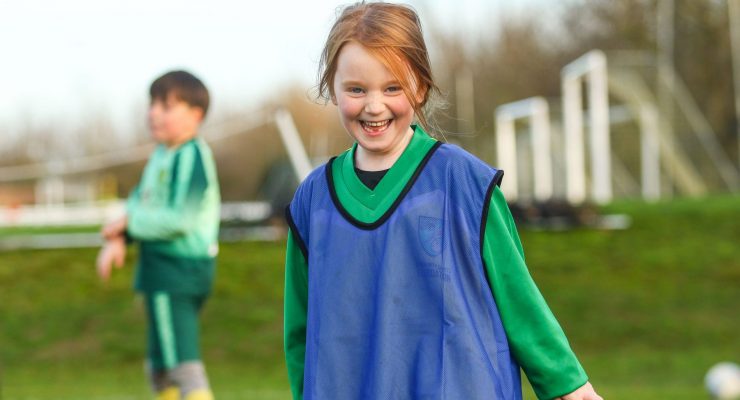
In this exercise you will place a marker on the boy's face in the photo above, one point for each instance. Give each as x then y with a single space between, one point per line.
173 121
372 104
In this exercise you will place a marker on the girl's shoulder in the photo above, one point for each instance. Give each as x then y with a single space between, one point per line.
316 180
457 157
466 167
317 173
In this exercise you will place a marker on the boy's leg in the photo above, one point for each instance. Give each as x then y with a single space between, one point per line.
174 342
155 366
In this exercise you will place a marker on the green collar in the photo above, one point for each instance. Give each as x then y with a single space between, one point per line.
368 206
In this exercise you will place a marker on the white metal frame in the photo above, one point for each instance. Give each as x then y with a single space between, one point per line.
649 152
293 144
734 16
592 68
537 111
46 172
631 89
50 186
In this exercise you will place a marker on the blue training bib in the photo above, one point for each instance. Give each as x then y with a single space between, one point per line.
401 308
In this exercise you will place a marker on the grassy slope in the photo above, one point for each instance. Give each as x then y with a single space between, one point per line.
648 310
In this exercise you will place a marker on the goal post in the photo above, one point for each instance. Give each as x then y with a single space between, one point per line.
537 112
590 68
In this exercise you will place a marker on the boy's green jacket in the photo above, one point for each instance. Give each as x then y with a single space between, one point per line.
174 214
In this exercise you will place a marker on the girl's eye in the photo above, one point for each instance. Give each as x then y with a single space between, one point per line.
355 90
394 89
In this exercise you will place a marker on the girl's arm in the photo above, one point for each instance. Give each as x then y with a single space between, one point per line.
535 337
296 311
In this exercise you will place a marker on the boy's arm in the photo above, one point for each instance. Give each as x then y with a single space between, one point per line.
133 198
118 226
296 311
115 228
536 339
182 212
113 253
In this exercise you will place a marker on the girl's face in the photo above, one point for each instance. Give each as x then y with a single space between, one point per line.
372 107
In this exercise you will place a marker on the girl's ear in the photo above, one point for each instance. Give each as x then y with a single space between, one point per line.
420 95
333 99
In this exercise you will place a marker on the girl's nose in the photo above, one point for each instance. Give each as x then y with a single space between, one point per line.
374 104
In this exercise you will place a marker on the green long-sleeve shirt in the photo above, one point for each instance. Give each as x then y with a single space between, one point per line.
174 214
535 338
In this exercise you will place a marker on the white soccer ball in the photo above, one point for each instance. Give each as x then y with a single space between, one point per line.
723 381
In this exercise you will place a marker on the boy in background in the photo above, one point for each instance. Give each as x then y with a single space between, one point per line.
173 214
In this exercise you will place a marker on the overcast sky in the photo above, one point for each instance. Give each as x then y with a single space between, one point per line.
68 60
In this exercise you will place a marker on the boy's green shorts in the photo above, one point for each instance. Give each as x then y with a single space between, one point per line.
173 328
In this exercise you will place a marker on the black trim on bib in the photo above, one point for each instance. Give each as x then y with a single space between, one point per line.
370 226
496 181
296 233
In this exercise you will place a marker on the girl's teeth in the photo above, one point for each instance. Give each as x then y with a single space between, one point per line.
375 124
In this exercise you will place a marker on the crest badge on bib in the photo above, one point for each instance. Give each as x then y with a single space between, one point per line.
430 235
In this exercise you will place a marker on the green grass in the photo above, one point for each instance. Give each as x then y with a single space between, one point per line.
8 231
648 310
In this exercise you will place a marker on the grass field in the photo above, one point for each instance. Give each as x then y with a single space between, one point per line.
648 310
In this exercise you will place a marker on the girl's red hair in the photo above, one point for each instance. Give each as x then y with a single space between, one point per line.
392 33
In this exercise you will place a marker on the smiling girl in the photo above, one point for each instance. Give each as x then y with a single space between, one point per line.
405 277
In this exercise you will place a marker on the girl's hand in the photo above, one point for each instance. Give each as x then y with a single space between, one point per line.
585 392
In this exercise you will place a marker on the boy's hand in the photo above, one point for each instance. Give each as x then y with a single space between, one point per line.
112 253
585 392
114 228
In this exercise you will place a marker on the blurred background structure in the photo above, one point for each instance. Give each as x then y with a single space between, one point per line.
629 107
636 98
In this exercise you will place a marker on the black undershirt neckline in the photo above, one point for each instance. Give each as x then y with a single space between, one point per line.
370 178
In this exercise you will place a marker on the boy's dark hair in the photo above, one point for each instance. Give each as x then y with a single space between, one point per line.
184 86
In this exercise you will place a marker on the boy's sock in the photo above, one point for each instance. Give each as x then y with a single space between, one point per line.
200 394
170 393
159 380
190 377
